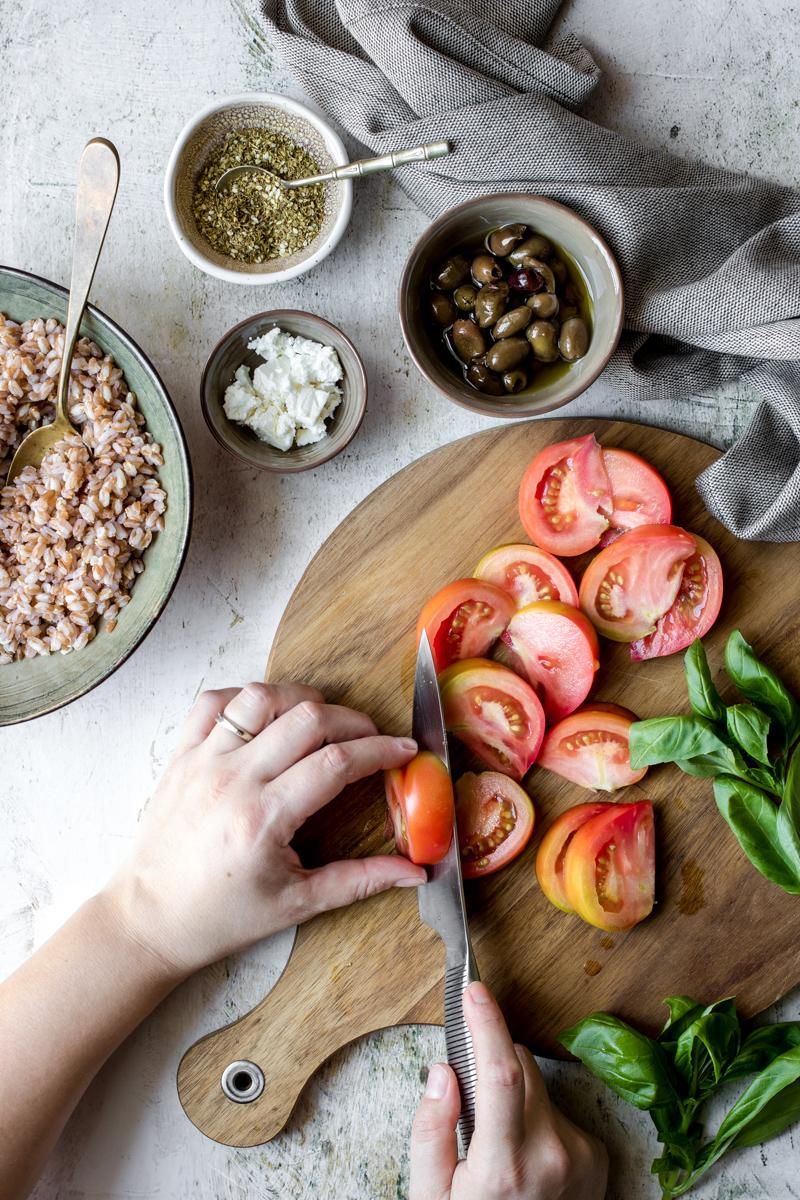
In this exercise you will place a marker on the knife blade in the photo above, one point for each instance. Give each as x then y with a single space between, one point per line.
441 899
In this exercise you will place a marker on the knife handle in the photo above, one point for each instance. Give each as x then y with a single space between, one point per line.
460 1053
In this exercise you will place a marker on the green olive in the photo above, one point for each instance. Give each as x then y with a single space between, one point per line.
511 322
490 303
543 341
464 296
479 375
502 241
486 269
468 340
507 354
515 381
543 304
452 272
443 309
573 341
559 269
533 247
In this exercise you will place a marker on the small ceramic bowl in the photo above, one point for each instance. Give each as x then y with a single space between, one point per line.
229 354
471 222
205 132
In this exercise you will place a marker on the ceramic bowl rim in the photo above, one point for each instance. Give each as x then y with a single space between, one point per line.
186 535
284 104
452 391
274 315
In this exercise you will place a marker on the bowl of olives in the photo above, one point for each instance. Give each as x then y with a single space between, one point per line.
511 305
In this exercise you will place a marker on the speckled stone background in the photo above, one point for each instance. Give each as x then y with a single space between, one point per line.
716 78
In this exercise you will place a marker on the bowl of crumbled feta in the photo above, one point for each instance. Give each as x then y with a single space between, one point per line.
284 391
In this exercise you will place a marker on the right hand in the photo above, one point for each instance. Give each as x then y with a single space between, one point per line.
523 1148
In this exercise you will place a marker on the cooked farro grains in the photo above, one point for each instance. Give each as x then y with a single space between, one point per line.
72 532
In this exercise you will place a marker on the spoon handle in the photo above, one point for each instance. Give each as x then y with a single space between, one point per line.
98 179
384 162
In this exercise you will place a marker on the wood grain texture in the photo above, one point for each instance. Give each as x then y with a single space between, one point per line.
718 929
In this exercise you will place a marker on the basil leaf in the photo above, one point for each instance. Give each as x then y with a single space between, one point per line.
706 1048
703 696
788 823
665 739
761 685
682 1011
748 726
708 766
761 1046
632 1065
753 817
768 1106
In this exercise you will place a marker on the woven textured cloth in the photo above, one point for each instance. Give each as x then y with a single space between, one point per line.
710 258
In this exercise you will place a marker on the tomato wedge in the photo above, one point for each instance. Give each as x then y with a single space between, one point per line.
590 748
639 493
610 866
556 649
495 822
420 800
494 713
629 586
553 848
565 497
694 610
528 574
463 619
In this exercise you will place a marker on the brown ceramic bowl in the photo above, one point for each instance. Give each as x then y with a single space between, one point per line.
229 354
573 237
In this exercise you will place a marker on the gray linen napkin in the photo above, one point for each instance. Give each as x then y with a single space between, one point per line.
710 259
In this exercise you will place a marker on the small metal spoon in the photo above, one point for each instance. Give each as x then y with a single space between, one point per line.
364 166
98 178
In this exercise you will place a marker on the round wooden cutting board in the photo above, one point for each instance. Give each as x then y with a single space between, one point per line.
718 928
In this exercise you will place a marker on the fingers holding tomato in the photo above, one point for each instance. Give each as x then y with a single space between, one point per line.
420 800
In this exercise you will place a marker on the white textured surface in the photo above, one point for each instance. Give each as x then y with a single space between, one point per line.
717 78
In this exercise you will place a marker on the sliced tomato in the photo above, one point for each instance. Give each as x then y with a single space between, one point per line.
555 647
610 866
694 609
553 848
528 574
639 493
590 748
495 822
494 713
464 619
629 586
420 800
565 497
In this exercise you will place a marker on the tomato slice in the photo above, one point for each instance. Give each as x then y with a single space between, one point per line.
528 574
494 713
463 620
420 800
694 610
610 866
629 586
639 493
590 748
495 822
553 848
556 649
565 497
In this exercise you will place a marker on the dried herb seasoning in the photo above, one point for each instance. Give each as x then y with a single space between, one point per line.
252 219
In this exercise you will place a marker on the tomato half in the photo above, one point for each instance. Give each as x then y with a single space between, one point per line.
495 822
420 800
610 866
528 574
565 497
629 586
463 619
639 493
556 649
590 748
694 610
553 848
494 713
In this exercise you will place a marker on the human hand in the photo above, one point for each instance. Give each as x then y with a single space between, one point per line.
523 1148
213 870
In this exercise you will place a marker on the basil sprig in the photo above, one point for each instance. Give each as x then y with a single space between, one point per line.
749 749
700 1049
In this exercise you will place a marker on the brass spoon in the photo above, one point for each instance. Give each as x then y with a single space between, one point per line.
364 166
98 177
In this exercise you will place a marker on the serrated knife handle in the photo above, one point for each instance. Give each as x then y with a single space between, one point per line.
460 1053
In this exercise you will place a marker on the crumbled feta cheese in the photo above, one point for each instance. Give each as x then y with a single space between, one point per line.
291 394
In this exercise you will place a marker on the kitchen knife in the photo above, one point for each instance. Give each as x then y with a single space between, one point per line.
441 899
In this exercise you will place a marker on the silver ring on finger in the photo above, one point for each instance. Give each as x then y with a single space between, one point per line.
226 722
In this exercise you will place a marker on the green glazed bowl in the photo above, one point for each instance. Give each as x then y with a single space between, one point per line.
36 686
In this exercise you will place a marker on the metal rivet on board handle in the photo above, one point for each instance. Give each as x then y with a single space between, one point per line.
242 1081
